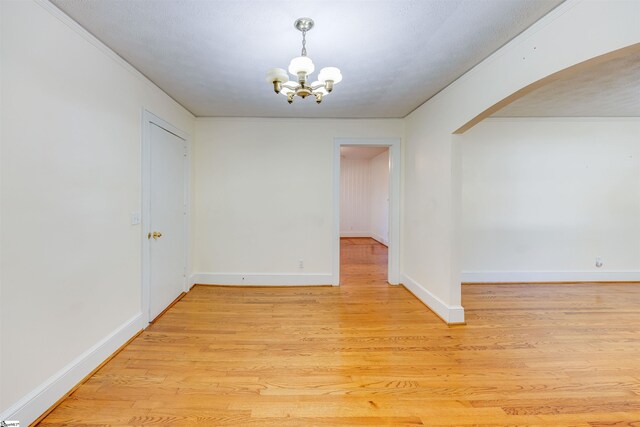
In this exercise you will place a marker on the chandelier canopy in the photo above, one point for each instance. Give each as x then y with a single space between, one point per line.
301 67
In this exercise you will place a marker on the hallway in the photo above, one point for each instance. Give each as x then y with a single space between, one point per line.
362 259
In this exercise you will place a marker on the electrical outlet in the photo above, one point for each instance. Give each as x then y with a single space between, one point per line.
599 262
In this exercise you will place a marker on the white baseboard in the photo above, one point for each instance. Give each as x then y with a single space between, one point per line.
355 234
369 234
378 238
262 279
448 313
549 276
35 403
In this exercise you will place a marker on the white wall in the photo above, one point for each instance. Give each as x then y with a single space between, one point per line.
264 197
355 197
574 32
380 197
364 197
71 139
542 198
70 155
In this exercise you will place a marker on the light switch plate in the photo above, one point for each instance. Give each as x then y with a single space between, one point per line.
136 218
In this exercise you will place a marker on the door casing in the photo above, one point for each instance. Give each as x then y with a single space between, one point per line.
393 272
148 118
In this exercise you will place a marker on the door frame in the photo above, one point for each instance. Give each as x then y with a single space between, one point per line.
394 144
148 118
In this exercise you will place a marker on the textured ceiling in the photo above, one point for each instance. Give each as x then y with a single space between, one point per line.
360 152
212 56
610 89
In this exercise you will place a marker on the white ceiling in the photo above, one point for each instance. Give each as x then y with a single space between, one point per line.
212 56
360 151
609 89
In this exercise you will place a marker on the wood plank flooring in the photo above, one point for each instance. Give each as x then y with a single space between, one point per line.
370 354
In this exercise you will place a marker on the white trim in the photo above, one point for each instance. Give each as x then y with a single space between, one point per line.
549 276
369 234
379 239
35 403
394 203
335 252
448 313
355 234
261 279
147 119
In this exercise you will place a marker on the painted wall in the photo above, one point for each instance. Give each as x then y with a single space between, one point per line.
574 32
355 197
70 135
380 197
264 197
542 198
71 140
364 197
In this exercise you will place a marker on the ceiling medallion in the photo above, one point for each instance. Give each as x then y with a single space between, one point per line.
301 67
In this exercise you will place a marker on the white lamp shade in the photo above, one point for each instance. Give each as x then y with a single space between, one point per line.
330 73
277 75
301 64
321 89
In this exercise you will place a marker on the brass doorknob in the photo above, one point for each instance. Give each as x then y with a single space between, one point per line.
155 235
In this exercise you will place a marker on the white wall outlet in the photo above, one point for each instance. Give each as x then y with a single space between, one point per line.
136 218
301 263
599 262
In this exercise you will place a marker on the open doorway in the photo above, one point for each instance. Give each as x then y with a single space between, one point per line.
366 215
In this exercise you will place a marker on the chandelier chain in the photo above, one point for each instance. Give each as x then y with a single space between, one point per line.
304 43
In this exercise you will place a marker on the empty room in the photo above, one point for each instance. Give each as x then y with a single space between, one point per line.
319 213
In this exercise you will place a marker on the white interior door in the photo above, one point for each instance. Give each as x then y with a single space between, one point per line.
167 216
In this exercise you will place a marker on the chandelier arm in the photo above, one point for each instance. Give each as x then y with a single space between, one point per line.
318 86
296 87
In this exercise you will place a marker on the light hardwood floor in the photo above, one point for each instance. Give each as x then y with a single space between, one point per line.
368 354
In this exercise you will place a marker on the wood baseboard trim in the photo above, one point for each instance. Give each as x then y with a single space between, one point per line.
84 380
584 282
175 301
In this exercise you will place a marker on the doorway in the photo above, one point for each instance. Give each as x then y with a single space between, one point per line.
364 213
165 214
356 221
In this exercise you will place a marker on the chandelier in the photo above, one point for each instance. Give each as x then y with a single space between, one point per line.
301 67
